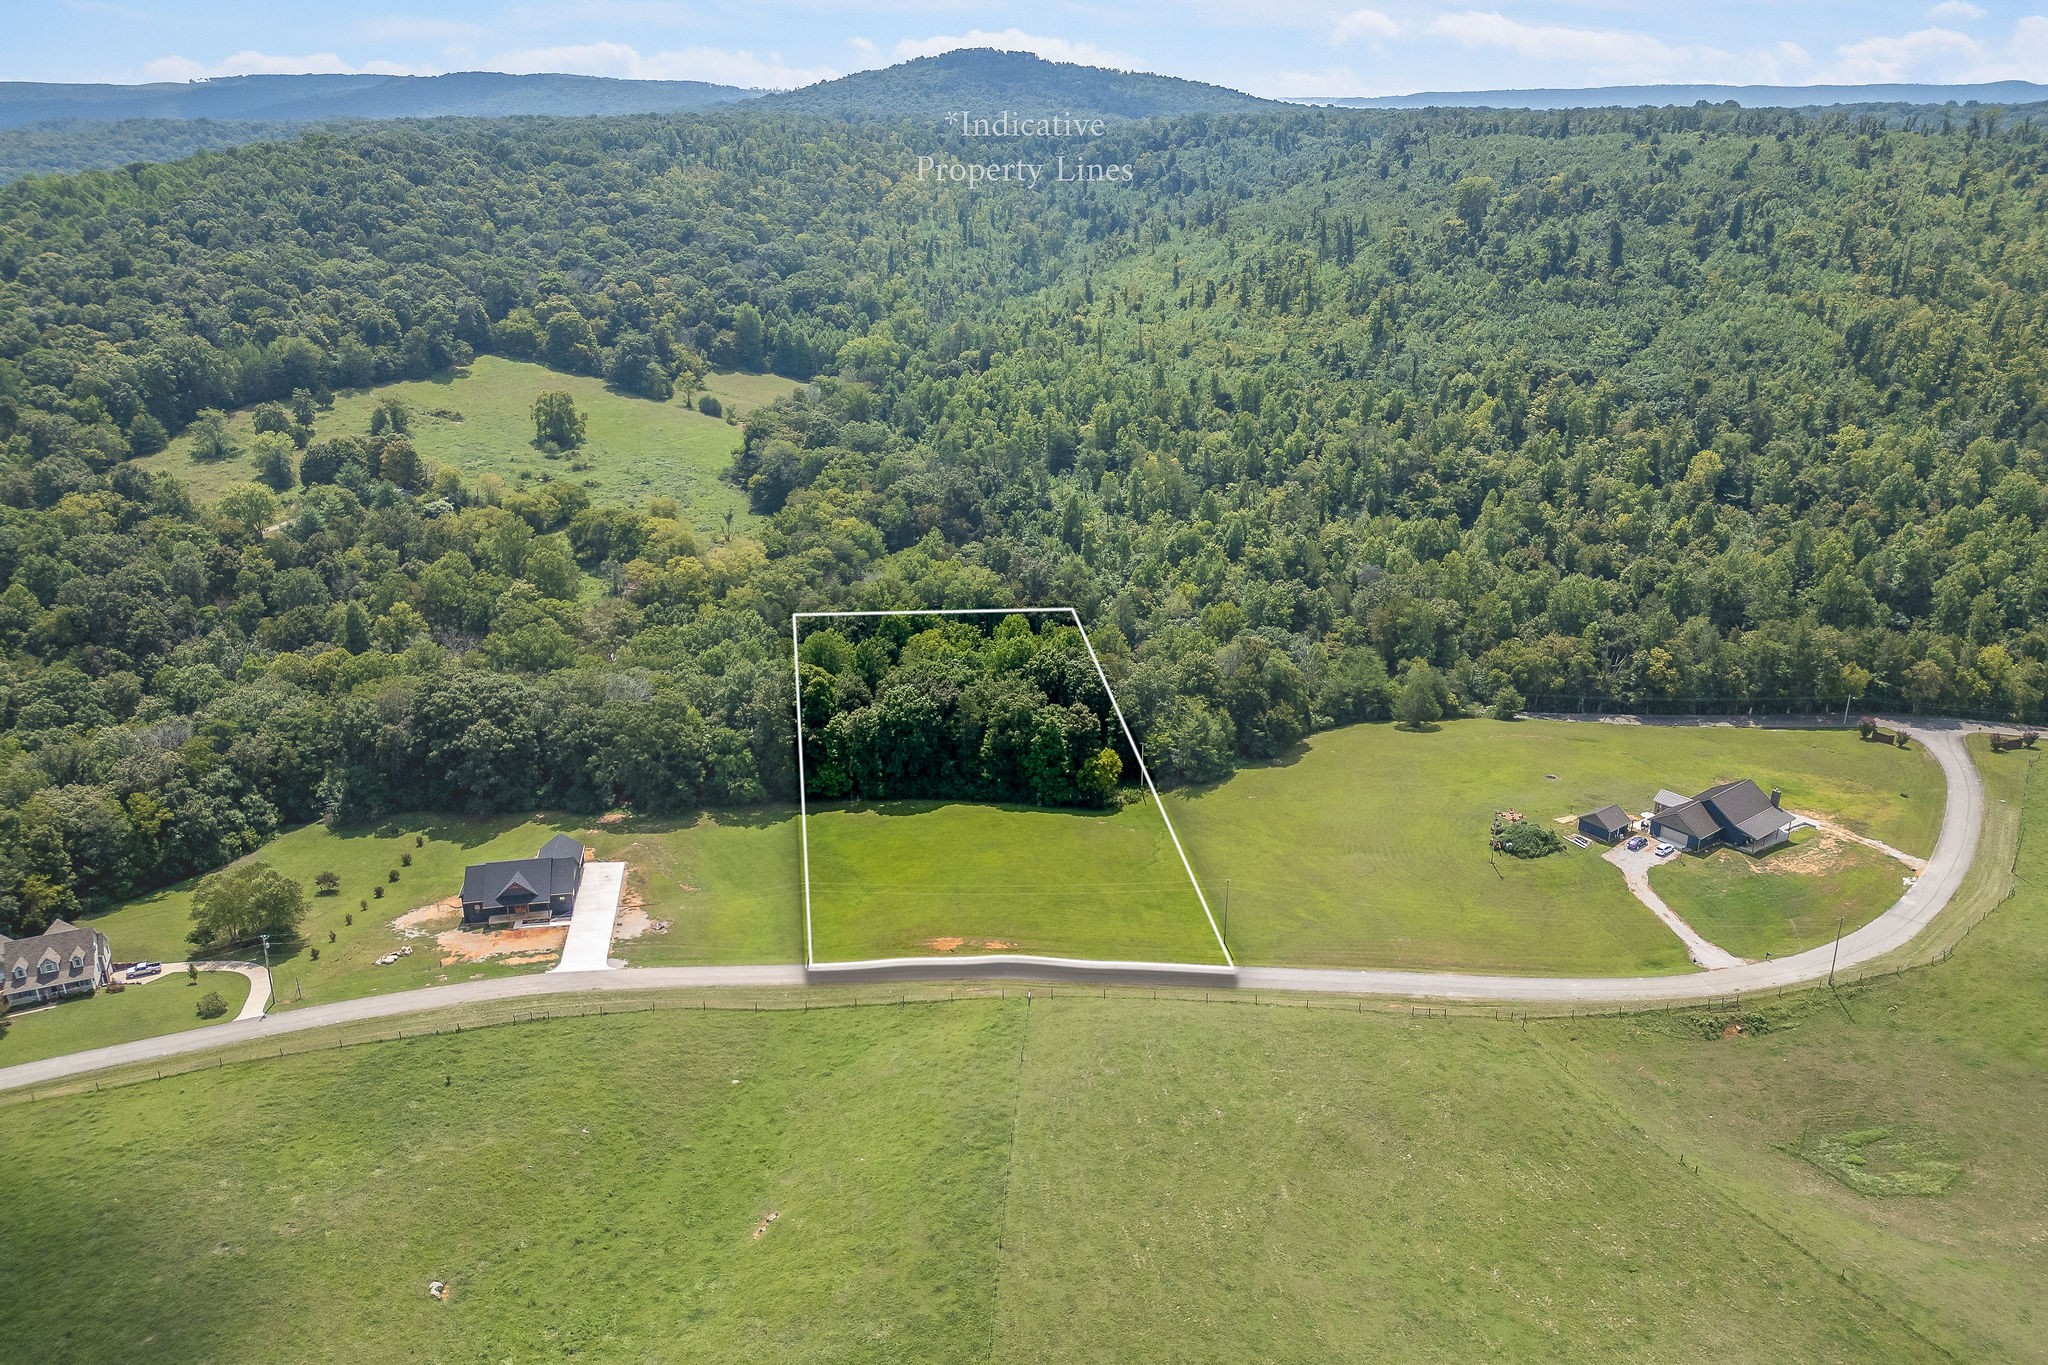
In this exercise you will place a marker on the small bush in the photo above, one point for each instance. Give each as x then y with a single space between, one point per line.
377 892
710 406
328 883
116 987
392 875
212 1005
419 841
191 974
405 860
315 953
1520 839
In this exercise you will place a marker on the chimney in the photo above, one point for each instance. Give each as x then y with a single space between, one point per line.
1775 794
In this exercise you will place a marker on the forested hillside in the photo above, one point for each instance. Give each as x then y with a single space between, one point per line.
1683 410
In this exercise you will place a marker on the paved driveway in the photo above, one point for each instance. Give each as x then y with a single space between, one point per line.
1635 865
589 948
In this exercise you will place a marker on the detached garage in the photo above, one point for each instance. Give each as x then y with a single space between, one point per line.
1609 824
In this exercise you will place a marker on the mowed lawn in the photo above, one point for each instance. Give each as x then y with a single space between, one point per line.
1791 898
479 419
725 884
1067 1179
165 1004
1368 847
916 878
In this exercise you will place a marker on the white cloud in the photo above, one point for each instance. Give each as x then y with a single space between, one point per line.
1327 82
864 47
1956 9
1369 24
1017 40
1925 54
718 65
177 68
1604 53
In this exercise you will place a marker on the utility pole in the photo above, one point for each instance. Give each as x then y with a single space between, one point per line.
269 994
1838 953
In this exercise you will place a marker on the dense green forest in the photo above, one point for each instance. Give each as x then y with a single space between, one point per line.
1688 409
898 707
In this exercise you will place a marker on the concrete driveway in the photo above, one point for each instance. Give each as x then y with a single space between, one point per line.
259 982
589 948
1635 870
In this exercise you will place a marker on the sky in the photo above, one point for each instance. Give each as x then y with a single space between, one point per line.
1282 48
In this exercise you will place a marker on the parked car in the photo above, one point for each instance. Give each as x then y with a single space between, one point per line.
1666 850
1638 844
144 969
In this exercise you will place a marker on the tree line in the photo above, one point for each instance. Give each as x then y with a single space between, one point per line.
1327 411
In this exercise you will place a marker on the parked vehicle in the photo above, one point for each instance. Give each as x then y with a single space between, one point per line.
144 969
1666 850
1638 844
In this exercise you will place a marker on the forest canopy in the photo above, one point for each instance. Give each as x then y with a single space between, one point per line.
1697 409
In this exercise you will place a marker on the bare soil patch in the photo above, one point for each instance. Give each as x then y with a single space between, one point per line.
429 920
634 921
953 945
1819 855
534 943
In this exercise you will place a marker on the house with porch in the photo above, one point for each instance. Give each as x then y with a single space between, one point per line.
1736 814
524 890
62 961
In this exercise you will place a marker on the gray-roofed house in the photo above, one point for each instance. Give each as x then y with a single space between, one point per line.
524 890
1608 824
62 961
1737 814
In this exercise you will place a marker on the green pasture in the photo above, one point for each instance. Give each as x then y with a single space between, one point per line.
1368 846
479 419
914 878
1782 901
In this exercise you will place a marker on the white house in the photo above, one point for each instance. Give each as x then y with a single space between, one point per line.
62 961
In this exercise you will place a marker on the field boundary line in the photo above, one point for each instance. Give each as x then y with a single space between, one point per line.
803 803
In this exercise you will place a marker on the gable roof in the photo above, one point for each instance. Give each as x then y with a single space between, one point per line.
55 945
561 846
540 878
1738 808
1613 819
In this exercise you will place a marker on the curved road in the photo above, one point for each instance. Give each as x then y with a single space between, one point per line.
1961 825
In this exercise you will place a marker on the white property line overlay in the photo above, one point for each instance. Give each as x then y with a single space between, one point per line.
803 800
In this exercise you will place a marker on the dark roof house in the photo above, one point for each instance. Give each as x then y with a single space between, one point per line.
540 887
1737 814
1607 824
64 960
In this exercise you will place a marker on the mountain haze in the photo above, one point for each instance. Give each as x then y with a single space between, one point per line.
981 80
1748 96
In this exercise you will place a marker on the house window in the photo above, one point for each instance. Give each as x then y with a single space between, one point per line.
77 960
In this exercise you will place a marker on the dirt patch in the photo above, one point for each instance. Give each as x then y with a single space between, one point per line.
762 1226
429 920
1732 1031
535 943
634 921
617 817
980 945
1825 852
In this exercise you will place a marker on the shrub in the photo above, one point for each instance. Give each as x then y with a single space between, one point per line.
1520 839
315 954
212 1005
328 882
392 875
405 860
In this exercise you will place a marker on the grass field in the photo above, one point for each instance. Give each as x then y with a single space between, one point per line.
479 419
1792 898
1826 1177
167 1004
914 878
726 885
1368 847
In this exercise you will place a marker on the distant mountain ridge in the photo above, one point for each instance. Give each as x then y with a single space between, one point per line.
1749 96
318 98
985 81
